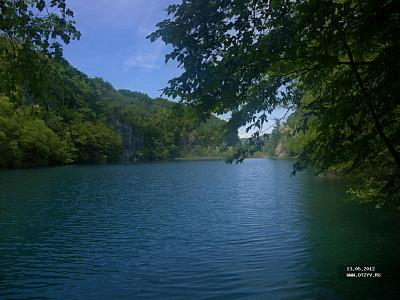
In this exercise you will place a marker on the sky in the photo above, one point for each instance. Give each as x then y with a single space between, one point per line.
113 45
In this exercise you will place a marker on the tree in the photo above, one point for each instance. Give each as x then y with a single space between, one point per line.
38 24
31 32
26 140
336 61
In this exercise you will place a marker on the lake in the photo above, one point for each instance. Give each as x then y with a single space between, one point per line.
189 230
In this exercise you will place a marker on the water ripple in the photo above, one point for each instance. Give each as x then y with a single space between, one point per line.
187 230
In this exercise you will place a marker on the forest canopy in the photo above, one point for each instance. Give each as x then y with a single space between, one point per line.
335 62
51 113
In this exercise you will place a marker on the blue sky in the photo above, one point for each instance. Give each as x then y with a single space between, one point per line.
114 45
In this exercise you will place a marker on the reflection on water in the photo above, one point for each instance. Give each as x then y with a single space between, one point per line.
188 230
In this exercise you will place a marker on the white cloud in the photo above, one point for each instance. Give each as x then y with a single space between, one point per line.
143 60
149 58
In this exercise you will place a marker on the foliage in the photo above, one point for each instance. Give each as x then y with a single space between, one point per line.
52 113
94 142
31 33
38 25
160 129
287 138
25 139
335 61
77 119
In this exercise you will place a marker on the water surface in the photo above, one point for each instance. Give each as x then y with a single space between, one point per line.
188 230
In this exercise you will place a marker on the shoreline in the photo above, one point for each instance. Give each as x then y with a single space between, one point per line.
198 158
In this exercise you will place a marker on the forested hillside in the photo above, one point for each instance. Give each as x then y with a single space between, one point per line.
337 62
286 138
51 113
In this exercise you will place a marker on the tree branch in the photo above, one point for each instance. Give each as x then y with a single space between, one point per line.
371 109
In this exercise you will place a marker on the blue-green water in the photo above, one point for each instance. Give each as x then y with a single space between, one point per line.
188 230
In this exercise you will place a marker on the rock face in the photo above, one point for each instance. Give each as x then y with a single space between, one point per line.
131 142
280 151
132 139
